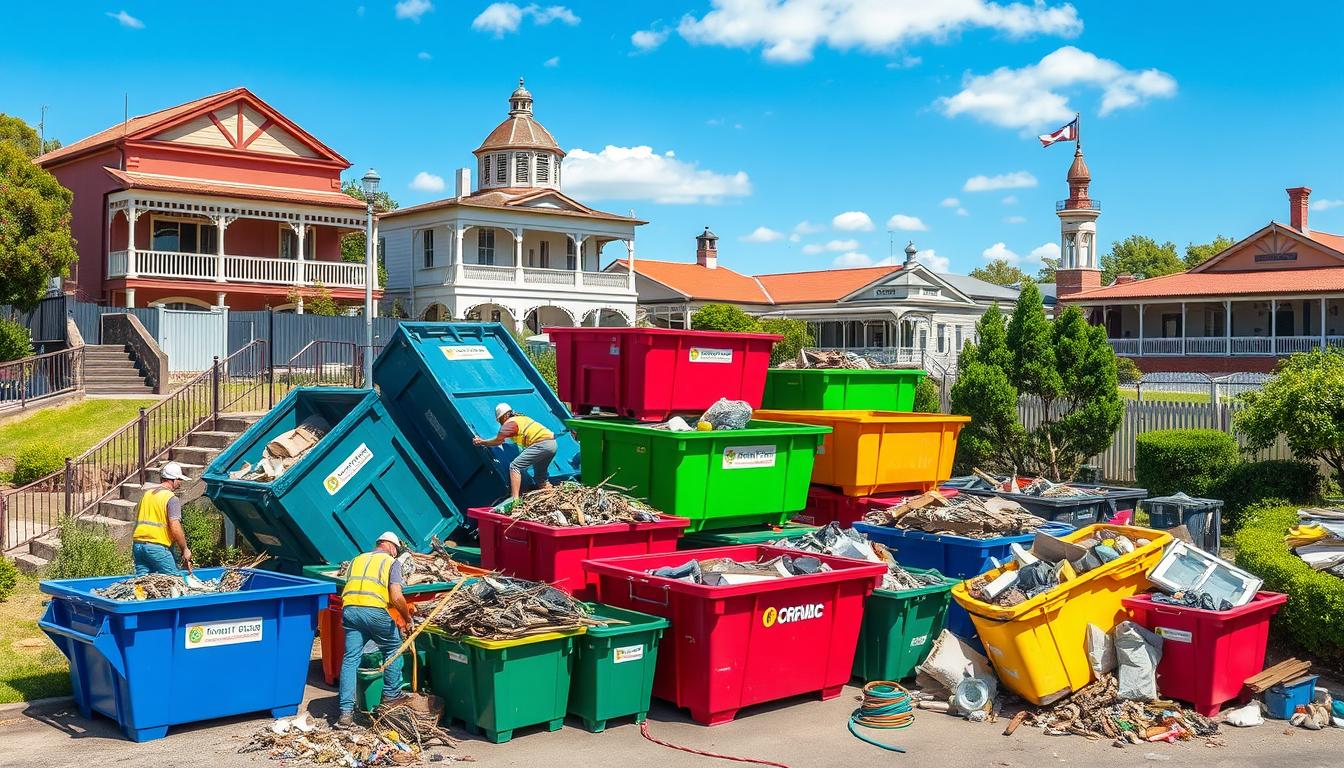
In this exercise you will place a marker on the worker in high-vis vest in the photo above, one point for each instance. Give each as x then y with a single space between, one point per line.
373 609
158 526
536 444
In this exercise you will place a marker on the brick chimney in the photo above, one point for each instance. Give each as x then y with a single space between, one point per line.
707 249
1297 208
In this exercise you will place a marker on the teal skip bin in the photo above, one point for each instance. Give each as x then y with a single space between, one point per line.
361 479
153 664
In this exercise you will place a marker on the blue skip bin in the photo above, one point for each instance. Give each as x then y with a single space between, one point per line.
441 383
362 478
153 664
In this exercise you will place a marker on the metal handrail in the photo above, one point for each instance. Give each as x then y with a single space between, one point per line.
21 376
334 363
1085 204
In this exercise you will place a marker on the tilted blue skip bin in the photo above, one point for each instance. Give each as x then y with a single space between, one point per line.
153 664
441 383
361 479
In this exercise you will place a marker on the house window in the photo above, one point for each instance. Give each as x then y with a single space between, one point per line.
545 255
184 236
543 168
956 330
571 254
942 338
427 247
521 162
485 169
485 246
501 168
289 243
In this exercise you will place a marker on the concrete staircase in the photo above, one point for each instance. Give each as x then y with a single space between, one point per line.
109 370
117 514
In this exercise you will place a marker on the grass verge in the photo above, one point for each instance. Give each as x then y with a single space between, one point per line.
72 428
30 666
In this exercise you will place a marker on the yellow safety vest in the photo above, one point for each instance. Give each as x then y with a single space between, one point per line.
530 431
367 583
151 519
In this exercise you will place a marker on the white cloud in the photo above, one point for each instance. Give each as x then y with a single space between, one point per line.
1044 251
126 20
1009 200
1014 180
502 18
423 56
790 30
853 221
763 235
639 173
834 246
649 39
950 202
905 62
807 228
851 260
1015 219
552 62
963 212
1000 251
1034 96
906 223
427 182
1325 204
933 261
413 9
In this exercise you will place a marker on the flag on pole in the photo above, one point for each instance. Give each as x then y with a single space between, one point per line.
1068 133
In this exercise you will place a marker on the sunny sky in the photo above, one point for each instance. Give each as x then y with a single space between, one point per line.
807 133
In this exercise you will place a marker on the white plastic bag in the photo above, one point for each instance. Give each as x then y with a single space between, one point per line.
1137 653
1245 717
1100 650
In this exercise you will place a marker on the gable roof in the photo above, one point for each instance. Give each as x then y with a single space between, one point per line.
143 127
821 284
514 200
701 283
1332 242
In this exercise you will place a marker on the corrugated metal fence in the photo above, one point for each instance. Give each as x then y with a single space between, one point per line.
288 333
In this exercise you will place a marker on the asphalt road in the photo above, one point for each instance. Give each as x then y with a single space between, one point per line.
798 733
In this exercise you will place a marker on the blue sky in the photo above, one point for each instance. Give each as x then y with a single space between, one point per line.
785 118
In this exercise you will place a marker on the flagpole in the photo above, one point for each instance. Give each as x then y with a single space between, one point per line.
1077 131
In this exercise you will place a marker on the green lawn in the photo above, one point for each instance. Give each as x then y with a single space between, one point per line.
73 428
30 665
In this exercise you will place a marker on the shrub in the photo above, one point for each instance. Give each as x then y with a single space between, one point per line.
87 550
1250 483
36 461
1314 614
1188 460
796 335
1304 402
1127 371
203 526
9 578
724 317
927 397
14 340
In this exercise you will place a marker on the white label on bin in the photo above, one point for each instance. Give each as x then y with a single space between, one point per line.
1174 635
460 658
918 641
348 469
748 456
467 352
628 653
711 355
212 633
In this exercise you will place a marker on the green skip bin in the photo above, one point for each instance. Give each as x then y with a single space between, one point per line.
613 667
899 628
497 686
717 479
834 389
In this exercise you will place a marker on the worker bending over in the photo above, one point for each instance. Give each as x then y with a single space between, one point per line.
373 609
537 444
158 525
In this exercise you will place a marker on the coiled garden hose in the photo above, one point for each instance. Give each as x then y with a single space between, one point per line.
886 706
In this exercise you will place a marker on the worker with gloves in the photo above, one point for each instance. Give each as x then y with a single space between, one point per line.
158 525
537 444
373 609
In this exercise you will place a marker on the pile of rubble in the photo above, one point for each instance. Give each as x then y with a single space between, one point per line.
1098 712
1031 487
1319 539
833 540
726 572
394 739
161 586
572 504
417 568
961 515
284 451
835 359
1049 563
504 608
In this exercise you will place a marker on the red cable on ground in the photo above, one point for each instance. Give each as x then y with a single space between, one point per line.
644 731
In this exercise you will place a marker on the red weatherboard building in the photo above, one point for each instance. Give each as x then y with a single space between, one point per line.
220 201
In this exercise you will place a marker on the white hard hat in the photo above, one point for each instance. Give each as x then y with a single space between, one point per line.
172 471
390 538
502 409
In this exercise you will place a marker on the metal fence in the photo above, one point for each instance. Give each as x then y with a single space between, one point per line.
33 379
289 334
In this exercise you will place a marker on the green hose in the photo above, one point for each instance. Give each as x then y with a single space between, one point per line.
887 706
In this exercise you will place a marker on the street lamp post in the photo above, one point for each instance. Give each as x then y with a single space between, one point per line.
370 185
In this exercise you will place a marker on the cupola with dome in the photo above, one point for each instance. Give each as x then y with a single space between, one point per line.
519 153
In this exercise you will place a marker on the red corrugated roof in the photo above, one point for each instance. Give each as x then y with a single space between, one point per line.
130 180
1182 284
1335 242
723 284
822 284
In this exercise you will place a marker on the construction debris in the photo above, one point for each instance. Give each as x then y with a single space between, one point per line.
504 608
1279 673
1319 539
436 567
161 586
832 540
572 504
1050 562
284 451
725 414
396 738
836 359
725 572
1097 712
961 515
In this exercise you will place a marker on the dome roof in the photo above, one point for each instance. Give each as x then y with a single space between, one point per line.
1078 171
519 130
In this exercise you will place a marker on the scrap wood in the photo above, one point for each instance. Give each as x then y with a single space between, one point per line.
573 504
1281 672
393 740
1097 712
1015 723
504 608
161 586
962 515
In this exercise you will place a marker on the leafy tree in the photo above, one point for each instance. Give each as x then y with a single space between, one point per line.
1196 254
15 131
1046 274
1304 402
992 334
796 335
1033 368
999 272
928 398
993 438
15 340
35 241
316 300
1140 255
1127 371
724 317
353 244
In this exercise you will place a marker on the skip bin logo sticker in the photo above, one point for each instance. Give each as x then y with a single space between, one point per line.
792 614
748 456
467 352
627 653
348 469
212 633
711 355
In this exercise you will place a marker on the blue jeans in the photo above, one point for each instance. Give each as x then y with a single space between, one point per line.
363 624
153 558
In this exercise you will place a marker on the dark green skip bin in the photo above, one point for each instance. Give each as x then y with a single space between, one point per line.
613 667
496 686
826 389
719 479
752 535
369 681
899 629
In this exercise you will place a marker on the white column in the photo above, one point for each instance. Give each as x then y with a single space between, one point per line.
219 298
1274 326
298 308
132 213
1322 322
219 251
1227 325
517 255
301 229
130 298
1140 329
1184 335
630 267
459 254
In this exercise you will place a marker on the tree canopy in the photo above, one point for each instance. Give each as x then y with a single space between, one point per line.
1046 274
35 241
797 336
724 317
353 244
1304 402
1140 255
999 272
1198 253
15 131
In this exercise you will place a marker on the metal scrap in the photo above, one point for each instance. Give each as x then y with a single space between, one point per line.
833 540
1097 712
961 515
284 451
836 359
505 608
723 571
397 737
573 504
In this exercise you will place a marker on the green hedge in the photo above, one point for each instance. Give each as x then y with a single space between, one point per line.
1314 615
37 461
1247 484
928 399
1188 460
